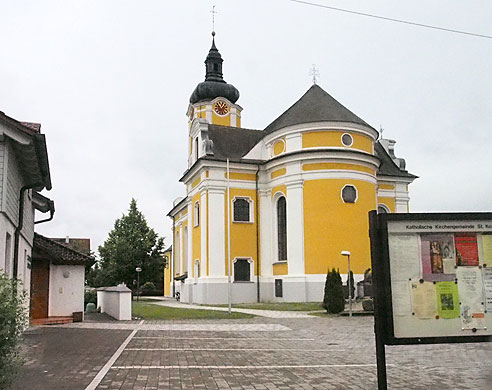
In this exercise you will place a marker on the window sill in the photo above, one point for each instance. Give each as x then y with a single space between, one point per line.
249 281
242 222
280 262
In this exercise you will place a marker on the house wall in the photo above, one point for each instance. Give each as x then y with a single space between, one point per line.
2 168
12 182
66 293
25 251
6 226
24 270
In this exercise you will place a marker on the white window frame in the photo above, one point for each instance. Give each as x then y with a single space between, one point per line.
356 194
382 205
351 140
196 214
196 143
251 269
251 209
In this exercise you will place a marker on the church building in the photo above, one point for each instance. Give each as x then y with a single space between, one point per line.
298 193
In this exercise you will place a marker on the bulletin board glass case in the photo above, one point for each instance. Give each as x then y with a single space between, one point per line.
433 276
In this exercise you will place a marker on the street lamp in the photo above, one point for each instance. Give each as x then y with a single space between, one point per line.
347 253
138 269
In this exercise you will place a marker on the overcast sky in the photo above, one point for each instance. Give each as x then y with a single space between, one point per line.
110 82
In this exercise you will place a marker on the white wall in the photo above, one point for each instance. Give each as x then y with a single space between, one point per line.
6 227
115 301
66 293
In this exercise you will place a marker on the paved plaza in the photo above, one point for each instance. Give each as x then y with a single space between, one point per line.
256 354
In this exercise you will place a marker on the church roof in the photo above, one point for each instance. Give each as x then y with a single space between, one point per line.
388 166
232 142
316 105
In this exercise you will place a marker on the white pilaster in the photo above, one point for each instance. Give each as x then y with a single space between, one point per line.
233 117
401 198
181 249
203 231
189 249
293 142
266 232
216 232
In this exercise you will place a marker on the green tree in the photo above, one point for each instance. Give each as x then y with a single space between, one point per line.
333 301
13 320
131 243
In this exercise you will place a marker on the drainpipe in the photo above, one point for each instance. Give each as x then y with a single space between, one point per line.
52 214
173 272
20 225
257 240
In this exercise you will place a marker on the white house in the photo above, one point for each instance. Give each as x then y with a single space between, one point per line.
58 277
24 170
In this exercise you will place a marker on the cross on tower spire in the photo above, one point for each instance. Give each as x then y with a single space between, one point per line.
314 73
213 12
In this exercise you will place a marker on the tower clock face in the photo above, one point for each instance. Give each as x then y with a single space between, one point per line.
221 108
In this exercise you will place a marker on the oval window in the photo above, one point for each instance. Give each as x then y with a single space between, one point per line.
347 139
349 194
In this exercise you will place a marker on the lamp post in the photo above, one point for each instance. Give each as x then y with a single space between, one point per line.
138 269
347 253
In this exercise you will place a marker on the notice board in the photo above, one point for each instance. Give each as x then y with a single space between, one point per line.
433 276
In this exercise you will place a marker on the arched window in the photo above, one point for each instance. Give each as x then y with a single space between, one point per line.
382 209
282 228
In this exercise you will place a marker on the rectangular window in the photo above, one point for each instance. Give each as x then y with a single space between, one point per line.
196 215
242 270
196 148
8 252
279 293
241 210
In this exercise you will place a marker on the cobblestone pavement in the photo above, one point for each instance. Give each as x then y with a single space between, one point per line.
255 354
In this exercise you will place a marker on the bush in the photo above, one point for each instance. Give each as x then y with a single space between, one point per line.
333 301
149 293
148 286
90 296
368 304
13 320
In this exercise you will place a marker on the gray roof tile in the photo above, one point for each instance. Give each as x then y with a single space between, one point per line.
58 253
232 142
316 105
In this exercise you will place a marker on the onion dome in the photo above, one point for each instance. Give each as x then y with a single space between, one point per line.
214 85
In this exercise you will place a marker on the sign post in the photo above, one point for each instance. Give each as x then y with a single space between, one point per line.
432 280
349 281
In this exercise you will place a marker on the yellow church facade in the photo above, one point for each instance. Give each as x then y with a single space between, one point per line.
298 193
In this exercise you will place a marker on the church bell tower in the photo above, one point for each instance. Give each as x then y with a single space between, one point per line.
213 99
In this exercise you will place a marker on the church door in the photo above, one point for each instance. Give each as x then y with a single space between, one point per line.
40 281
